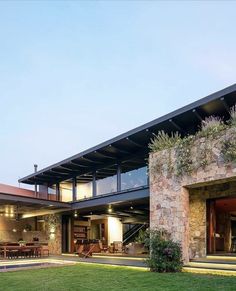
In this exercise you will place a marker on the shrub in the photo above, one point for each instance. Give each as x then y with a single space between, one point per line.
229 150
165 254
211 126
163 141
232 120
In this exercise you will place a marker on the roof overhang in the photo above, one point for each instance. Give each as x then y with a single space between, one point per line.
29 206
131 148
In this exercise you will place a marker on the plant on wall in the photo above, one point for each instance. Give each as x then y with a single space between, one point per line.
229 150
232 120
185 161
211 126
163 141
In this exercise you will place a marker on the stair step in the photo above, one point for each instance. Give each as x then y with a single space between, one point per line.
213 271
212 265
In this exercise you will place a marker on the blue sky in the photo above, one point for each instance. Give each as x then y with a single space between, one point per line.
73 74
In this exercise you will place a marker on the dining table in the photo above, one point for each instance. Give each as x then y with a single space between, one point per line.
20 248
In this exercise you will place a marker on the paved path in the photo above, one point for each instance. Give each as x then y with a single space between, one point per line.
119 261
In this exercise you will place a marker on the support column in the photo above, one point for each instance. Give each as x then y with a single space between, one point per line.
58 194
118 177
94 184
74 189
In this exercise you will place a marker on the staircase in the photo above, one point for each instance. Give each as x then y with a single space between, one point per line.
133 232
224 265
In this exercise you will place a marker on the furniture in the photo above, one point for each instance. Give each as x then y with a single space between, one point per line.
12 251
102 247
118 246
86 251
233 245
44 250
135 249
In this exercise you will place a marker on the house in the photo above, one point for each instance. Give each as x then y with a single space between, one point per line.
107 193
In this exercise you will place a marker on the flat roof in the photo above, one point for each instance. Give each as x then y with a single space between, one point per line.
130 149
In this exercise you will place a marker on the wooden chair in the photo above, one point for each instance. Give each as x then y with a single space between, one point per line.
13 254
44 250
80 249
86 252
118 246
102 247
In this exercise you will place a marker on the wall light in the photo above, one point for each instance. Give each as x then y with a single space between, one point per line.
109 209
75 214
14 230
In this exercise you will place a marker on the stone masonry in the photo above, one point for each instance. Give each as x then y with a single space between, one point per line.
178 204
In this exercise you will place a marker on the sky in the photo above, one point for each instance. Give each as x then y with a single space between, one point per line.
76 73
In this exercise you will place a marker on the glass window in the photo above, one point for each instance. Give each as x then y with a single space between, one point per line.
84 190
107 185
66 191
133 179
52 192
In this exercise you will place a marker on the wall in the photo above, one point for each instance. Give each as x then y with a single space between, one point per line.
7 225
53 224
173 204
115 229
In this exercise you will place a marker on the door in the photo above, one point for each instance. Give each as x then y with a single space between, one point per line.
65 234
211 227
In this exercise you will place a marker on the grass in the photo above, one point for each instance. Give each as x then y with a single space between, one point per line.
97 277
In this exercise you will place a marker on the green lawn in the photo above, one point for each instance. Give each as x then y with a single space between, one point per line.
94 277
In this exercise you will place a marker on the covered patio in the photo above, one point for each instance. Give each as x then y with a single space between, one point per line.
29 227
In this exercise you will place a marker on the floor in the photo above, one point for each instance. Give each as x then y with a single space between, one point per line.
119 260
61 260
223 265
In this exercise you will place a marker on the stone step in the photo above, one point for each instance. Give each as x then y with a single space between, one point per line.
212 265
211 271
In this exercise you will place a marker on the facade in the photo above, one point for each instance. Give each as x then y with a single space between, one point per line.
107 193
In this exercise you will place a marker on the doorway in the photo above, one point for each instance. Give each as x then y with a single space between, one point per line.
221 226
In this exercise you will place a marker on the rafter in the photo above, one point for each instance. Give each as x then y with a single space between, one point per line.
197 115
134 142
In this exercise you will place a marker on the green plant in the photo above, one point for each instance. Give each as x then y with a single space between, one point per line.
163 141
184 164
232 120
211 126
165 254
142 236
228 150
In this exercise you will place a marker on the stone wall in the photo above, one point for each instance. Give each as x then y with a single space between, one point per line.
175 204
53 229
7 225
51 233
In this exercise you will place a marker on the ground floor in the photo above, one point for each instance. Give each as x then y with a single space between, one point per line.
208 211
108 229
